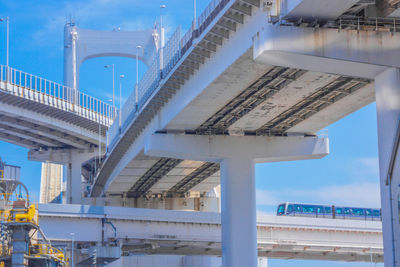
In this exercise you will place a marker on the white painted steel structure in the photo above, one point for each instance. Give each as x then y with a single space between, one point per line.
193 233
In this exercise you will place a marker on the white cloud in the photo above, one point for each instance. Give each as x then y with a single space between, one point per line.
355 194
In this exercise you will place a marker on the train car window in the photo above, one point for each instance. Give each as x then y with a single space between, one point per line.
339 210
297 208
347 211
358 212
368 212
281 209
328 210
308 209
320 210
376 213
290 208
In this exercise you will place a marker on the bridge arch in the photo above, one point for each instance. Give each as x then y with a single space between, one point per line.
83 44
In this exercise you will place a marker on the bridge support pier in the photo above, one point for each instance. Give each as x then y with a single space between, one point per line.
72 159
238 207
237 156
74 176
387 86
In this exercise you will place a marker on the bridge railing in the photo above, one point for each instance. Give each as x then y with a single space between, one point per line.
174 50
210 12
47 92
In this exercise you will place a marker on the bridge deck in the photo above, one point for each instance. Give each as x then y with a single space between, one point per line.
160 232
215 86
39 114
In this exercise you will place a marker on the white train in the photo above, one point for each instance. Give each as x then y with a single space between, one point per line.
325 211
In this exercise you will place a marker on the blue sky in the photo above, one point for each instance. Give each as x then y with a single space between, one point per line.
348 176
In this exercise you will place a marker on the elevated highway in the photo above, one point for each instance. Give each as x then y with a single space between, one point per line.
55 122
217 87
199 233
42 115
253 82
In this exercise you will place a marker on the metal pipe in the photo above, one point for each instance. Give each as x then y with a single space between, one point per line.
113 87
8 39
120 99
72 248
99 143
137 77
7 19
161 39
194 15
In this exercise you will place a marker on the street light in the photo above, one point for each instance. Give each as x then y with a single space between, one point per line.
194 15
113 87
7 20
162 38
137 76
72 248
120 98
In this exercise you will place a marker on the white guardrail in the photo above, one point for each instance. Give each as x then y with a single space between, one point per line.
46 92
173 51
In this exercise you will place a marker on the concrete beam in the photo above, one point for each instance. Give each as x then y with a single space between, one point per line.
45 141
347 52
59 156
46 131
216 147
13 113
310 10
19 141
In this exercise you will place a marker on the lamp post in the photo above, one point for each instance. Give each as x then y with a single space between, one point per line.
72 248
137 77
120 99
7 20
161 38
113 87
194 15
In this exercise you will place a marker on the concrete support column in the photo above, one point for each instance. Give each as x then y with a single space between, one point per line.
74 175
238 201
74 181
387 86
72 159
237 156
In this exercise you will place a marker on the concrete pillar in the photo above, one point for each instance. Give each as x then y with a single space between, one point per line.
387 86
237 156
74 181
238 217
74 175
